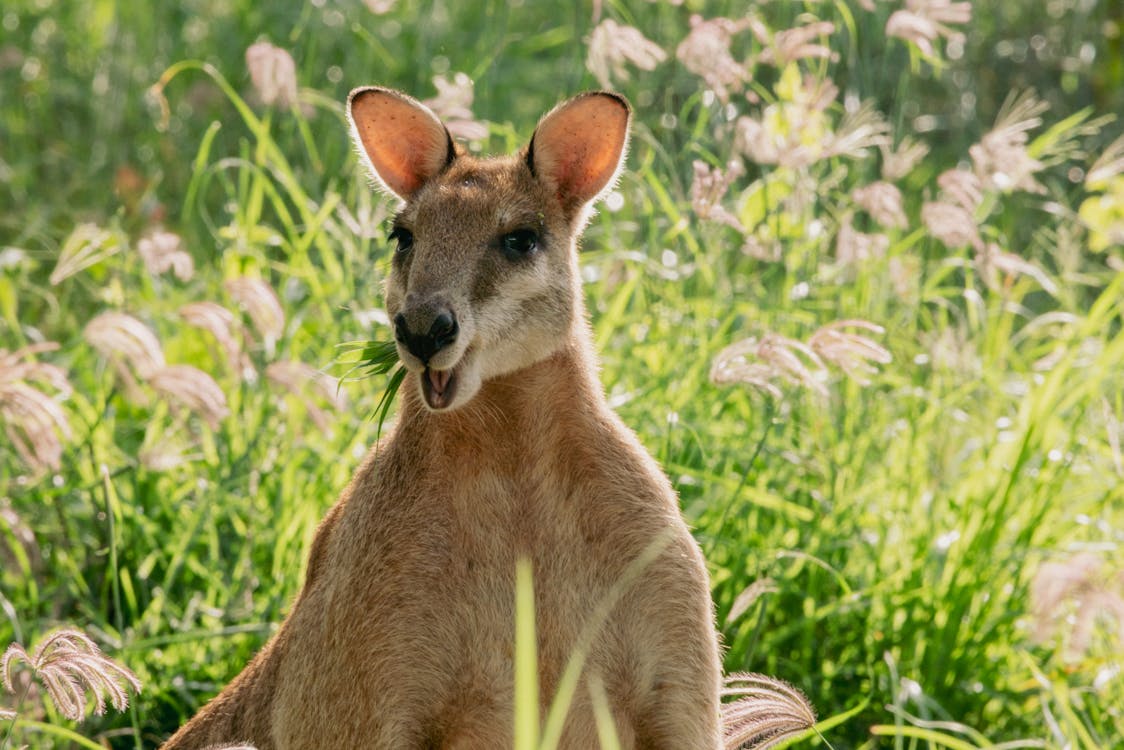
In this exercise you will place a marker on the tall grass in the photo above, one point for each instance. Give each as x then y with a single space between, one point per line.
930 547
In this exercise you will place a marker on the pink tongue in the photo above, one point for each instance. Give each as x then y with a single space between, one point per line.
439 379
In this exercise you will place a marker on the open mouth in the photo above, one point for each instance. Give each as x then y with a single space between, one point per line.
439 387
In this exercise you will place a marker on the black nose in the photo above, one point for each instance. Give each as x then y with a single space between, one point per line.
442 332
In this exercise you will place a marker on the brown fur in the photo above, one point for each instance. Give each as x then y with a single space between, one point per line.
403 634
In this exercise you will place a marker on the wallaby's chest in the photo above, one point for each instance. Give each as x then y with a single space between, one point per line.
416 610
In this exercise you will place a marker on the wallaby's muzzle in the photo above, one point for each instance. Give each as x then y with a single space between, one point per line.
424 341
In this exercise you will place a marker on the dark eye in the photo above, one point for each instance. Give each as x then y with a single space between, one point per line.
404 237
520 243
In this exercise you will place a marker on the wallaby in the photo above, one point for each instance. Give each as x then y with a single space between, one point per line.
504 448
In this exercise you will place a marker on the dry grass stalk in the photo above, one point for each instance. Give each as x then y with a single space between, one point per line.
273 74
194 389
162 251
69 665
767 712
34 422
260 302
612 47
453 104
122 338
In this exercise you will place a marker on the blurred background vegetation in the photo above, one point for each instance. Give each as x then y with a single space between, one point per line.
916 517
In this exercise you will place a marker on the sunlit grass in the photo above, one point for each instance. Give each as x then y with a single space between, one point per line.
902 524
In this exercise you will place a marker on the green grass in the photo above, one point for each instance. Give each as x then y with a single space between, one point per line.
902 522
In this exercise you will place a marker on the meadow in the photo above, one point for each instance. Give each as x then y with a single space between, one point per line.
859 291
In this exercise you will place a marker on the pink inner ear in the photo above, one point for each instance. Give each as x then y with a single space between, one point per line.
580 146
404 141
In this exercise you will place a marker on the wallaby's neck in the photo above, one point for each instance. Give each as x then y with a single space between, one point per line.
533 409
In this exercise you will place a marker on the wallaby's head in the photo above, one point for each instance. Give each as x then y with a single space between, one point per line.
484 279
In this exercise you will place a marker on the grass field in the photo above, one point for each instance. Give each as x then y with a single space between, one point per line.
906 475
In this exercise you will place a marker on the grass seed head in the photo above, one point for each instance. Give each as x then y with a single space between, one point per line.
194 389
765 712
453 104
262 305
613 47
273 74
122 338
883 201
162 251
705 51
70 665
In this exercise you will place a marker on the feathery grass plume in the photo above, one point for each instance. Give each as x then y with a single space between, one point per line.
34 422
1078 592
87 244
273 74
612 47
854 354
709 187
194 389
898 161
705 51
795 131
924 21
749 595
952 224
227 330
991 261
1108 165
162 251
853 248
883 201
296 377
962 188
260 302
69 664
766 712
1000 158
123 339
453 104
798 43
759 361
858 131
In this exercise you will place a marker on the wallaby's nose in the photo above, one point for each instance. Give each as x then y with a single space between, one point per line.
442 332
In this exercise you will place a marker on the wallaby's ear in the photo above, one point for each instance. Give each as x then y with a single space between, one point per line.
403 140
578 148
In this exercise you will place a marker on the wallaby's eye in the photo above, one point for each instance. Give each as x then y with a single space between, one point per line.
404 237
520 243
